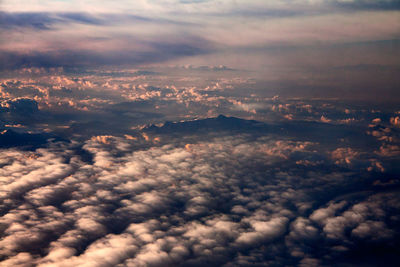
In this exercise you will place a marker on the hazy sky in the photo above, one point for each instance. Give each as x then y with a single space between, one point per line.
346 45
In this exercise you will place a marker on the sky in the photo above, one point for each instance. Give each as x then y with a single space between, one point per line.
333 45
199 133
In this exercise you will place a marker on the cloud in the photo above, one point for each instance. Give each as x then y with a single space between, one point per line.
366 4
113 151
20 106
44 20
235 199
10 138
67 58
204 33
395 121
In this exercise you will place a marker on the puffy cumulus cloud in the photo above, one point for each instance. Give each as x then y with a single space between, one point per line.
53 89
361 220
70 102
340 227
326 111
133 96
388 150
385 131
344 155
233 200
395 121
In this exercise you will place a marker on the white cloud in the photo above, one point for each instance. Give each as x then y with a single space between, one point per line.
218 201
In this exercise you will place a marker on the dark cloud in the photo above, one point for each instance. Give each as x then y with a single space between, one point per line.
10 138
19 111
50 20
43 20
160 52
38 21
369 5
21 106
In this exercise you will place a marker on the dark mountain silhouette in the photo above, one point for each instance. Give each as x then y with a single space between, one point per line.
220 123
329 134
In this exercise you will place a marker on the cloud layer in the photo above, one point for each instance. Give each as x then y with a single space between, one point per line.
113 151
232 200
